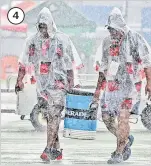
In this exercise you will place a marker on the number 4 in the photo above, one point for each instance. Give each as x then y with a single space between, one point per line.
16 15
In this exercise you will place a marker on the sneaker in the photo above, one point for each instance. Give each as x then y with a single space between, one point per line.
113 154
127 151
131 141
56 154
115 159
46 155
49 154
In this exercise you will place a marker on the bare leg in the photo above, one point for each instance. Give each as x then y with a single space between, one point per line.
110 123
123 130
56 144
53 126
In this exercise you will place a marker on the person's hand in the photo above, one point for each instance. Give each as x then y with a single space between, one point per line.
19 86
93 108
94 103
148 90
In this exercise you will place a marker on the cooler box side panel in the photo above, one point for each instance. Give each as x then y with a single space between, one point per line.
80 124
77 123
78 101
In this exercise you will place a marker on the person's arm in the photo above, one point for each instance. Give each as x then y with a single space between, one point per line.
69 65
19 84
102 71
74 64
23 62
148 74
70 78
101 79
145 55
148 79
21 73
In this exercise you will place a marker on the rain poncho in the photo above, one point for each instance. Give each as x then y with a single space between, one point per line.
123 66
50 58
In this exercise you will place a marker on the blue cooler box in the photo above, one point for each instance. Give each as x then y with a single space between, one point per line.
79 122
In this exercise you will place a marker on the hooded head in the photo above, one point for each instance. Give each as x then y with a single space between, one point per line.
116 21
45 22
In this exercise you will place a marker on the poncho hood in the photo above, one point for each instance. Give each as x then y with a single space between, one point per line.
45 16
116 21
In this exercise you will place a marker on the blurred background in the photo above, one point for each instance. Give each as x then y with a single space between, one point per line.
82 20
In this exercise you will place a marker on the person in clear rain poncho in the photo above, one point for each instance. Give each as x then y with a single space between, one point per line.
53 58
126 60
